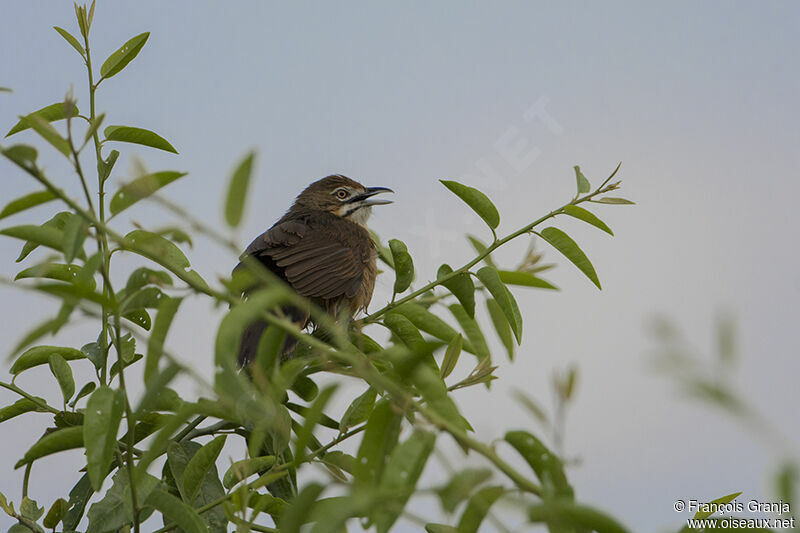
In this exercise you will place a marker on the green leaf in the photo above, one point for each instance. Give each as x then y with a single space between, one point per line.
26 202
403 265
426 321
461 486
478 508
440 528
579 517
36 235
229 334
359 410
74 235
50 113
564 244
63 374
129 134
472 330
21 406
53 442
21 155
461 286
55 271
115 510
587 216
583 183
451 356
40 355
145 276
105 167
94 126
400 478
29 509
72 294
295 515
56 513
491 280
155 344
406 331
380 438
481 248
524 279
312 416
478 201
71 40
547 466
241 470
612 200
501 326
103 415
78 499
434 391
119 59
85 391
237 190
199 465
48 133
5 90
157 248
711 507
141 188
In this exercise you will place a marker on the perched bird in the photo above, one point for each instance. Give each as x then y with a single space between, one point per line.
323 250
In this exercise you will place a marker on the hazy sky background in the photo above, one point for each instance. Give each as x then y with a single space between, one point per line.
699 101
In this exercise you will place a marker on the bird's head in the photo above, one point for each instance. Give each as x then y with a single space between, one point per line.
341 196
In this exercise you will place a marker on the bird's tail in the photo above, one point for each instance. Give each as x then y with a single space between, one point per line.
253 332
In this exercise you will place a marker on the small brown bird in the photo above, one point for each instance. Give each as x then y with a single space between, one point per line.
322 249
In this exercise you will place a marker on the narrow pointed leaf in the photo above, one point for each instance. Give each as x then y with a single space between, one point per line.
56 271
199 465
141 188
478 201
151 245
583 183
120 59
404 468
48 133
26 202
74 235
53 442
167 309
461 286
524 279
174 510
481 248
501 326
71 40
451 355
478 508
440 528
40 355
21 155
21 406
461 486
587 216
49 113
63 374
426 321
613 200
103 415
129 134
95 125
472 331
545 464
56 513
491 280
241 470
380 438
105 167
312 416
403 265
359 410
237 191
574 516
564 244
86 390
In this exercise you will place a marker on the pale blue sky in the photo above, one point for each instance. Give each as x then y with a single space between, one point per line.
699 101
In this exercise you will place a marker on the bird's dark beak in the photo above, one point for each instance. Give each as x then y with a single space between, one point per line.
363 198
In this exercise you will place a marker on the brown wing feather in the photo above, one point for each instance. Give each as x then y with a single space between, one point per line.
309 254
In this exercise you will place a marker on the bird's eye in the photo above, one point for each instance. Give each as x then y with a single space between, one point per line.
341 194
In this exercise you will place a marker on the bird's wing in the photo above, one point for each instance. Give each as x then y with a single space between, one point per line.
311 259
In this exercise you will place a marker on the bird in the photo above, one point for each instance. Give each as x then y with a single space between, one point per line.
322 249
